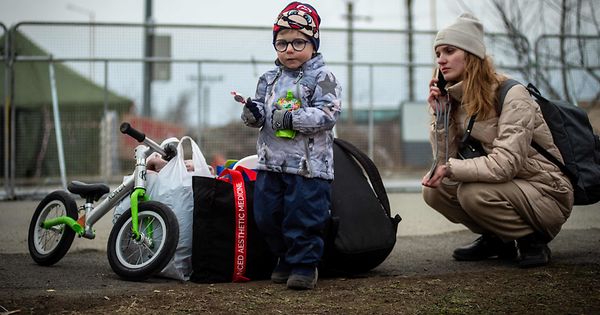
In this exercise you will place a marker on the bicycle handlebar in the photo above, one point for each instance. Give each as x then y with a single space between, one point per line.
127 129
134 133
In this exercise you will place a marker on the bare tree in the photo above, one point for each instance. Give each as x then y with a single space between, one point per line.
565 39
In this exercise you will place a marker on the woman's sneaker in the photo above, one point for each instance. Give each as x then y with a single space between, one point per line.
534 251
281 272
303 278
486 246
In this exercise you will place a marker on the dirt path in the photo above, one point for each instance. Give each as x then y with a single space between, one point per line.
419 277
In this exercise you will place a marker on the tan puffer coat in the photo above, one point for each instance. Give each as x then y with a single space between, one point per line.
510 156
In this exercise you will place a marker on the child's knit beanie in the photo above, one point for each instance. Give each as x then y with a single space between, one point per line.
302 17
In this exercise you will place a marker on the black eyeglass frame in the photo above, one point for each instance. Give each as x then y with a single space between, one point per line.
295 43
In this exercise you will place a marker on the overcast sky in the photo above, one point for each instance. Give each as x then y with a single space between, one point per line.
370 13
376 14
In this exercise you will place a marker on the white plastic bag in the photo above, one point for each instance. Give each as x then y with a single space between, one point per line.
173 187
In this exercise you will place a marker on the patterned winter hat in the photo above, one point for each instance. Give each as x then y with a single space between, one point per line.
302 17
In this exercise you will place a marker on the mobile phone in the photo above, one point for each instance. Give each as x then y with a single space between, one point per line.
441 84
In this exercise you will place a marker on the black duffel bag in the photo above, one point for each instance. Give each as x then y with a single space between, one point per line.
362 232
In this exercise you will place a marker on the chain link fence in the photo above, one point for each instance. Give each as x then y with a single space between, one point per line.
99 82
571 64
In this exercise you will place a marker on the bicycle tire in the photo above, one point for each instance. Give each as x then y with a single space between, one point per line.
48 246
134 260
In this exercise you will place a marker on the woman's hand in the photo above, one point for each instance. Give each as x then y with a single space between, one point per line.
435 180
434 94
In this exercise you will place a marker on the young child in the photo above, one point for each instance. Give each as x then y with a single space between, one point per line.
296 106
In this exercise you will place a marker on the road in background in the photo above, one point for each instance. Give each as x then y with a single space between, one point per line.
417 219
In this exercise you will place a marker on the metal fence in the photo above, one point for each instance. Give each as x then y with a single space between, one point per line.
571 64
194 69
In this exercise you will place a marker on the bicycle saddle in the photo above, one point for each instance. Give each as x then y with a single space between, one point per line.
88 191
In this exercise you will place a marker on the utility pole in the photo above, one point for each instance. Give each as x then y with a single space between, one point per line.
148 52
411 69
203 95
350 48
350 17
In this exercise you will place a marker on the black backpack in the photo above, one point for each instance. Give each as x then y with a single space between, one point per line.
362 232
574 136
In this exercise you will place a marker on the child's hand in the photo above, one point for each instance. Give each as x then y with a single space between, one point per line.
281 119
250 106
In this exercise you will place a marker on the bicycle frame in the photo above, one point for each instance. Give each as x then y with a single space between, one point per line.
135 187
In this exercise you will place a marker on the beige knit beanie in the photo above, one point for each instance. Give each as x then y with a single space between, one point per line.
465 33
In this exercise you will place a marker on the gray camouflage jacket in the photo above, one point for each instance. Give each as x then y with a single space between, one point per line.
310 152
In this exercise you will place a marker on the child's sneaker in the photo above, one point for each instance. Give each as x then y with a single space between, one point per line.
281 272
303 278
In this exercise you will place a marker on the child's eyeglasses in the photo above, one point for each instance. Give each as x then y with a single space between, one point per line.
298 44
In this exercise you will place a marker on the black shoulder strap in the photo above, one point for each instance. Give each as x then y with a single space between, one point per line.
502 91
544 101
554 160
536 93
533 91
467 133
371 170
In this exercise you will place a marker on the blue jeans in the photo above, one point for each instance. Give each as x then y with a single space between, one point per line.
291 212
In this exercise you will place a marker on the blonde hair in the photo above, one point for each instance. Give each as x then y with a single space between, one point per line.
479 87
